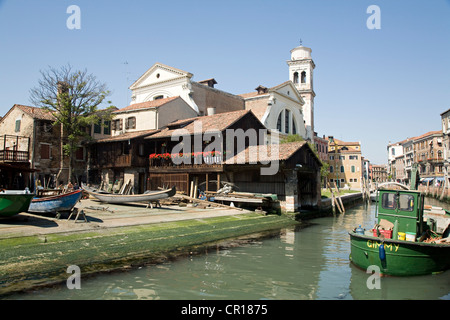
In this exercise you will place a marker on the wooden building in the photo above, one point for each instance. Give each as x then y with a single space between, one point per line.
236 159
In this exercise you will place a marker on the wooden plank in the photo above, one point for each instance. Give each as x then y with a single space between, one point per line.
207 202
339 198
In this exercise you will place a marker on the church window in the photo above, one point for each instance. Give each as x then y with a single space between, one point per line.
303 77
295 77
279 121
158 97
286 121
294 127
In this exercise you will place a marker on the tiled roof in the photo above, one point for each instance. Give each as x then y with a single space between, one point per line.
428 134
36 113
265 153
146 105
344 143
216 122
253 94
127 136
261 93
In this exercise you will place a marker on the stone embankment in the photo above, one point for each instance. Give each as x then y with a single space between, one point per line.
37 250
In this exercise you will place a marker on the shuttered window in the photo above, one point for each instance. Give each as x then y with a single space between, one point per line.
45 151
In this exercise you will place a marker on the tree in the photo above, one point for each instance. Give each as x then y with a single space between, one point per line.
72 96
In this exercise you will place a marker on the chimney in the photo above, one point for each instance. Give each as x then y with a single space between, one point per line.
210 111
261 89
209 82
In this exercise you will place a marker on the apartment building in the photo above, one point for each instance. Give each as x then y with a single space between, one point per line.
345 163
429 155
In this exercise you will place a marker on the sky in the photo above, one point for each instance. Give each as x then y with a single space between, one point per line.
375 86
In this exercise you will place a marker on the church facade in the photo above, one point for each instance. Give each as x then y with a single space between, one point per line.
287 108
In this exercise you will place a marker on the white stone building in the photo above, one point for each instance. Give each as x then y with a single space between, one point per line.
278 108
301 70
162 81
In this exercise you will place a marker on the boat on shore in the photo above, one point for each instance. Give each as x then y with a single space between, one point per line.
147 196
55 204
405 241
13 202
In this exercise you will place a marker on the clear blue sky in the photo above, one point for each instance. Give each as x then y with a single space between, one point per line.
372 86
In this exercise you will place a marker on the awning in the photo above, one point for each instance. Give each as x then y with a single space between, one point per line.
440 178
427 179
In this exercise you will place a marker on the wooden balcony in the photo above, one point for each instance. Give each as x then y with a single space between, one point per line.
119 161
193 164
14 156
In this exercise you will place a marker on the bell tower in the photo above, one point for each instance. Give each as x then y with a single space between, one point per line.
301 69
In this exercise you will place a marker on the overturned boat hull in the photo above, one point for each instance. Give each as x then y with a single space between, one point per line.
123 198
13 202
54 204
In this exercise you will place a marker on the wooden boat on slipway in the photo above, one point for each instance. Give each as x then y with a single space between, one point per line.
55 204
147 196
13 202
407 240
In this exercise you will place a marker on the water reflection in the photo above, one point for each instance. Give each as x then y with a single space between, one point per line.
303 264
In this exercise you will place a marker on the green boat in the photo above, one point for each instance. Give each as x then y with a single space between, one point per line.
406 241
13 202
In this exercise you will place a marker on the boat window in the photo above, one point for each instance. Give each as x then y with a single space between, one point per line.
406 202
389 201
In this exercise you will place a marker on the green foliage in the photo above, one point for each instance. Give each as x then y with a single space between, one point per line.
72 96
292 138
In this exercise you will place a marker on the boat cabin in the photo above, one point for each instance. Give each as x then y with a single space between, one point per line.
403 206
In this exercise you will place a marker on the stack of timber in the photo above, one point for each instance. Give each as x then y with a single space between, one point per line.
117 188
437 217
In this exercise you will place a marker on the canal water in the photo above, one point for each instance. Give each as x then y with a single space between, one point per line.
310 263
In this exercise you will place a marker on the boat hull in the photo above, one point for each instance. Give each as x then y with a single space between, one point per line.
402 258
54 204
121 198
12 204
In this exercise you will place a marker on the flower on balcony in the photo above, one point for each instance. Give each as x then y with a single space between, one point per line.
180 155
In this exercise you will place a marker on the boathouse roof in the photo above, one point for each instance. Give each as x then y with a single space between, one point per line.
271 152
213 123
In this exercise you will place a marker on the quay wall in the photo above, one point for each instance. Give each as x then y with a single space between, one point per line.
43 259
326 208
439 193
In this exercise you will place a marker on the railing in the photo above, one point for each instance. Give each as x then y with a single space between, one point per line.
167 161
124 160
14 155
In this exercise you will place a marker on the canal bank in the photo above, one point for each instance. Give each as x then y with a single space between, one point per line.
37 250
326 208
